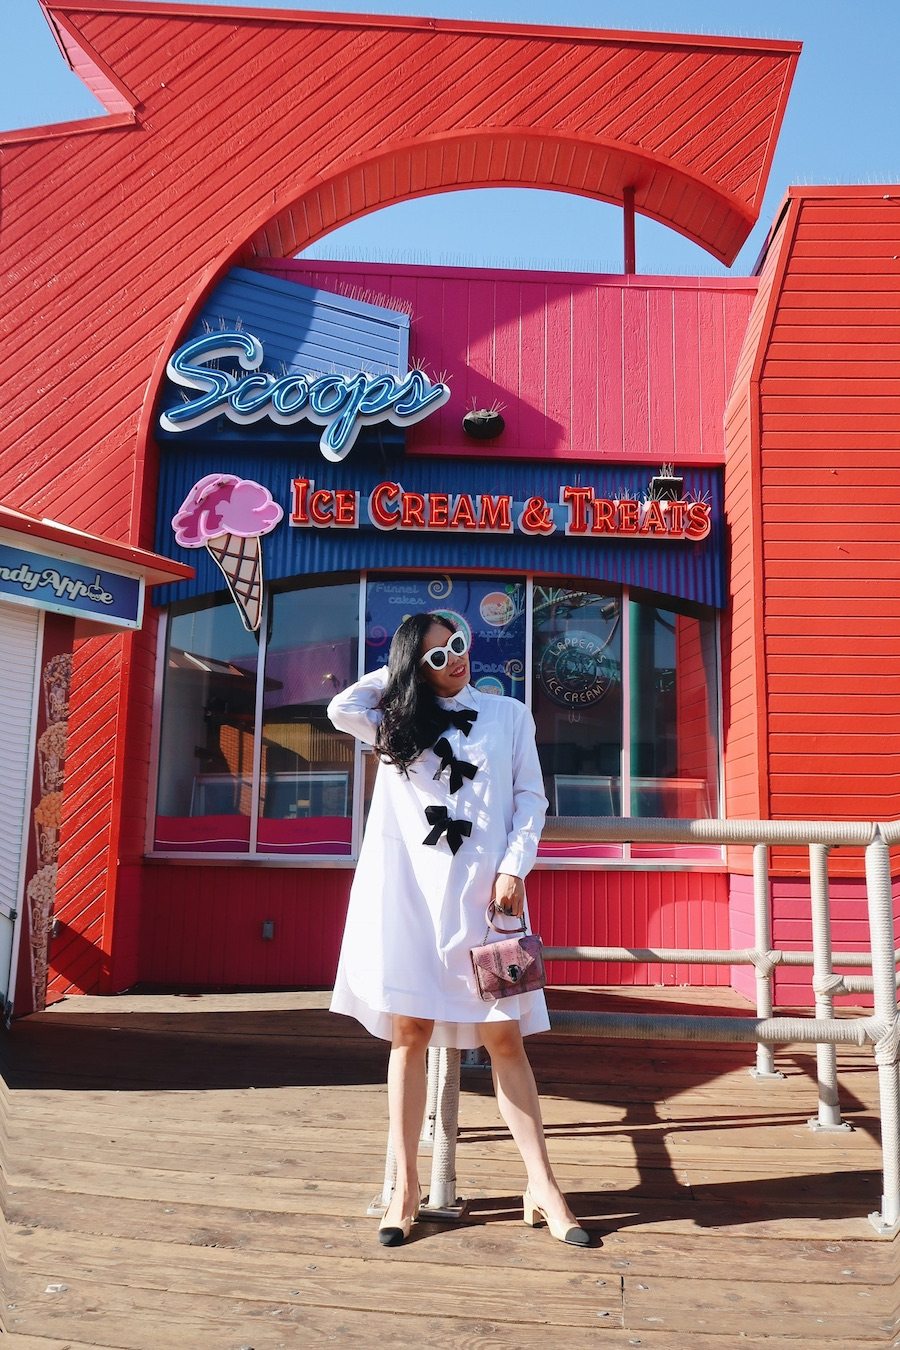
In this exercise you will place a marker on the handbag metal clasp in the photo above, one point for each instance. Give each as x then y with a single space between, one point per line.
513 972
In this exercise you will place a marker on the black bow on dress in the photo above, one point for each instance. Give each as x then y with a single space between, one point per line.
459 768
441 823
463 719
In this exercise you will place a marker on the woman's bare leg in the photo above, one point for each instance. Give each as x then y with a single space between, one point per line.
517 1098
407 1090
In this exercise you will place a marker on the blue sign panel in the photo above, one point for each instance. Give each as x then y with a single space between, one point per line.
65 587
691 570
489 610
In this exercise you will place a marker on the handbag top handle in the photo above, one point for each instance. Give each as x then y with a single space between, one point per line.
507 932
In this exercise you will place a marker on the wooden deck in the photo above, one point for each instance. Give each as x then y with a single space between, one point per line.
192 1172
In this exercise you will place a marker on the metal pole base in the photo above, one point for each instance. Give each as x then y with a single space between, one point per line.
377 1207
766 1073
479 1060
444 1213
816 1125
884 1229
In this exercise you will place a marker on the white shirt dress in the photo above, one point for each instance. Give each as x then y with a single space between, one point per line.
416 908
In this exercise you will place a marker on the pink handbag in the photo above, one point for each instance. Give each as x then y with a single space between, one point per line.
513 966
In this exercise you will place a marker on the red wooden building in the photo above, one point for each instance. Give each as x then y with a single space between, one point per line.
752 671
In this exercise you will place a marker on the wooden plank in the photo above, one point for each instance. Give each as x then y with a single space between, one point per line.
733 1307
490 1235
394 1279
136 1319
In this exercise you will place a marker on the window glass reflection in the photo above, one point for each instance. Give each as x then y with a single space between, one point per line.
306 773
207 734
577 705
491 611
674 719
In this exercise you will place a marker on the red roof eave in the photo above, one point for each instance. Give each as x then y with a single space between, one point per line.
153 567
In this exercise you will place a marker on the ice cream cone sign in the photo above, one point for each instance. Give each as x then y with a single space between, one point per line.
228 516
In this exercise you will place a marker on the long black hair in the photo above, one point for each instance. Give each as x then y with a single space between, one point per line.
412 718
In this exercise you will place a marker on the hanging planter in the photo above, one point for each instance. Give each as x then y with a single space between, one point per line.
666 486
483 424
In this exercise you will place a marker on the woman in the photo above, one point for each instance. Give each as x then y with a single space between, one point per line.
454 823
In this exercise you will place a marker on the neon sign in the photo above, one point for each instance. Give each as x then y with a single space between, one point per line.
339 403
577 513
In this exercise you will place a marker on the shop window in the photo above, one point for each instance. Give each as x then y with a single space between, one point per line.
205 790
674 759
624 692
577 706
306 767
633 739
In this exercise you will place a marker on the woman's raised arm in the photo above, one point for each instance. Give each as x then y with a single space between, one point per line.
356 708
529 802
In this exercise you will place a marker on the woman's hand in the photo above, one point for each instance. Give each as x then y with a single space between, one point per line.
509 895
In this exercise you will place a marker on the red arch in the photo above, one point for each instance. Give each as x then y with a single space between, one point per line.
594 167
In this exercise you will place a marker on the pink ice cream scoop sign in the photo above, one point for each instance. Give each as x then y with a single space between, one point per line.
221 503
228 516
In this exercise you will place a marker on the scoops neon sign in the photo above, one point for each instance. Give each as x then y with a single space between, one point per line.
339 403
578 512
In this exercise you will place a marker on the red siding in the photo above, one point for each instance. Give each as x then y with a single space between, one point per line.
830 477
202 926
743 674
627 367
631 909
812 726
78 957
792 931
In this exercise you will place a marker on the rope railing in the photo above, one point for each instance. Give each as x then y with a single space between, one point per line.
880 1029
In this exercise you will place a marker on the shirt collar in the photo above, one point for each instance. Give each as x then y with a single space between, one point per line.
466 698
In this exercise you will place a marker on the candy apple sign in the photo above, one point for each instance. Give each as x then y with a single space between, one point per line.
341 404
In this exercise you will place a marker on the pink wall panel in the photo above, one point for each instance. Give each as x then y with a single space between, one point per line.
740 916
627 909
557 352
201 926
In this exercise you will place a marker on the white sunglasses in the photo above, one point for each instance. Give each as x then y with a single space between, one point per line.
438 657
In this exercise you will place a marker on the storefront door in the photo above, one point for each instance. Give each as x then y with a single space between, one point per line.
19 652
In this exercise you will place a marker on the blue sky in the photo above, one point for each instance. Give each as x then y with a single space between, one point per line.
842 126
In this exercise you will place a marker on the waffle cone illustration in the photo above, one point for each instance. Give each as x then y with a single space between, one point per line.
239 559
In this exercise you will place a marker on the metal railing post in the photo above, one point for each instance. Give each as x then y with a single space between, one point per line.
381 1201
426 1138
443 1202
829 1114
887 1048
762 941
